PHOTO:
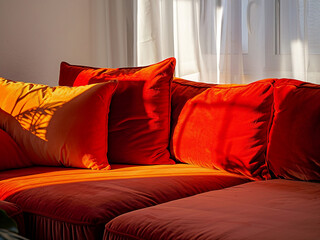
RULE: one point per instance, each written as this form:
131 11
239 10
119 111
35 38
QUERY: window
306 15
233 41
278 34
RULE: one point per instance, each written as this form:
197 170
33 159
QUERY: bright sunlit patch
299 59
36 120
218 37
45 176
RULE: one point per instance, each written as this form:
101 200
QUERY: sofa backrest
291 145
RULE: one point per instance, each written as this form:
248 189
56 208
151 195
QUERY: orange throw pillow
226 127
58 125
139 120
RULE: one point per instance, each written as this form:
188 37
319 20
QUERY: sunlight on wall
218 37
299 59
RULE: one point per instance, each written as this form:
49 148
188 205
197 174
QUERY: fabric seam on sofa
169 114
185 84
120 234
269 129
64 220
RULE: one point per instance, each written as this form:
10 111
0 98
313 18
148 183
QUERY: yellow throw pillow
58 125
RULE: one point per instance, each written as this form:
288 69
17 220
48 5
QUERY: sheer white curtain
202 35
299 44
218 41
114 33
226 41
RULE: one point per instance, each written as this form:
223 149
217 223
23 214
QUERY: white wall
36 35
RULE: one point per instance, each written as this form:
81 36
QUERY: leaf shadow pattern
36 120
25 91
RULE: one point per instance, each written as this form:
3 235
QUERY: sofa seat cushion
14 212
68 203
272 209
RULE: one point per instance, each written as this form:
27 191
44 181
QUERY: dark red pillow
294 145
10 154
139 119
226 127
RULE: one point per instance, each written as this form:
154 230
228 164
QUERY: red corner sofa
132 153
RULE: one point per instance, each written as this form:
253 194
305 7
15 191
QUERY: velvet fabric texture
226 127
68 203
181 92
294 146
139 117
15 212
11 155
273 209
58 126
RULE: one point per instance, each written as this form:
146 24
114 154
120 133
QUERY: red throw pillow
139 120
294 145
10 154
181 92
226 127
59 125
